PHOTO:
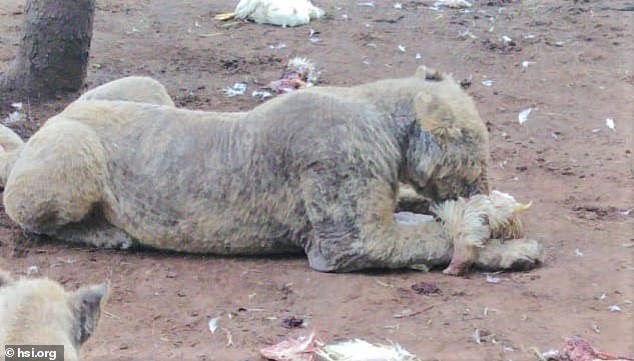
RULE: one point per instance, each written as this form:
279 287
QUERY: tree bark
53 56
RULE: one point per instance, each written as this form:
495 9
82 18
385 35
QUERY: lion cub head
449 152
41 312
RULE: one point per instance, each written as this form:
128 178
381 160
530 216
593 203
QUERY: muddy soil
570 61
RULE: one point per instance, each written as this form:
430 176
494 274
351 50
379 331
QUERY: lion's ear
436 116
87 304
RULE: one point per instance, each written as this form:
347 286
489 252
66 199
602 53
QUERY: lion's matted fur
316 170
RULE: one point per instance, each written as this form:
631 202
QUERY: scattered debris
523 115
261 94
16 116
483 336
488 83
526 63
277 46
614 308
406 313
366 4
578 349
275 12
300 349
292 322
213 324
595 328
476 337
398 6
454 4
384 284
313 36
360 350
308 348
626 212
401 48
603 296
506 40
229 337
32 270
492 279
299 73
418 56
425 288
235 90
486 310
578 253
17 105
609 122
467 34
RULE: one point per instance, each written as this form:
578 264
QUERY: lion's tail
10 146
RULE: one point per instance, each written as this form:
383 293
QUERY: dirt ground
571 61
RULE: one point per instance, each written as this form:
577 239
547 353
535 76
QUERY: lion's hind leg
59 178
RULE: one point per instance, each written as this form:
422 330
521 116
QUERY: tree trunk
53 56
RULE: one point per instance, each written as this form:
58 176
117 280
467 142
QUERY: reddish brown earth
579 173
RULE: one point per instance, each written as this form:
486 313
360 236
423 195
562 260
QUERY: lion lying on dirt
40 312
316 170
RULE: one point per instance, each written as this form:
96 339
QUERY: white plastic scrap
550 354
261 94
418 56
277 46
476 337
360 350
401 48
213 324
454 4
467 34
366 4
17 105
523 115
614 308
398 6
13 117
312 36
488 82
506 39
526 63
609 122
491 279
32 270
235 90
578 253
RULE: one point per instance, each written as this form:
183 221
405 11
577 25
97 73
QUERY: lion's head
448 155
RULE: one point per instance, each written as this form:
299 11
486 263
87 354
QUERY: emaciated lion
316 170
40 312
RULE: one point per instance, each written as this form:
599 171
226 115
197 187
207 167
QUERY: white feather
359 350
